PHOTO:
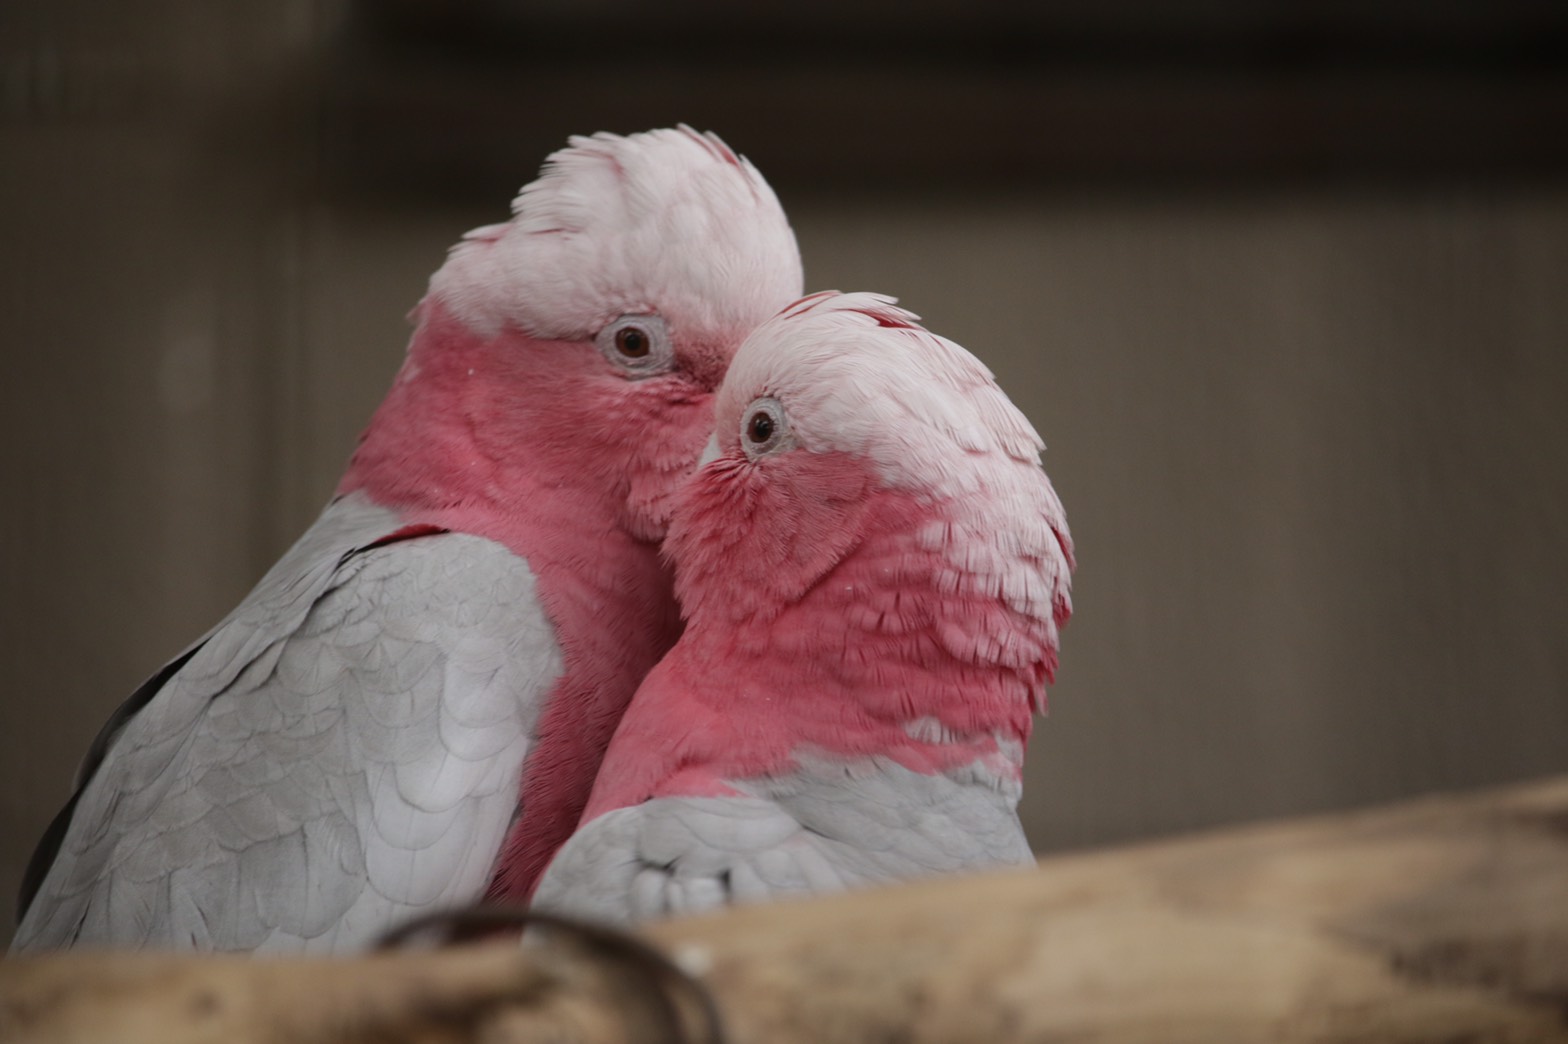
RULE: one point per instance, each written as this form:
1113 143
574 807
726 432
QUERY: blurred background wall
1283 285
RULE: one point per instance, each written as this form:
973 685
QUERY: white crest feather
857 374
669 221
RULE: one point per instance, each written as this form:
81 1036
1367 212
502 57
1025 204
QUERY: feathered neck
471 423
524 442
825 620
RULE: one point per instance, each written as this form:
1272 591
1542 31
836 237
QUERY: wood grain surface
1441 919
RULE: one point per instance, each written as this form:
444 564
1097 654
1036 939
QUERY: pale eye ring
637 345
764 428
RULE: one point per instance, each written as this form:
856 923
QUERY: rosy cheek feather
819 619
753 538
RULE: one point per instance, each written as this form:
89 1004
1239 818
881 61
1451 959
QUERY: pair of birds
652 586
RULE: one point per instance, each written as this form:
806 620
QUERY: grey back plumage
830 826
342 750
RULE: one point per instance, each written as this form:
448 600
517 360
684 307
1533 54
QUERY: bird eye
638 345
764 429
760 429
631 342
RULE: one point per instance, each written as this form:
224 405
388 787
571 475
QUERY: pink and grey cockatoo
409 709
873 569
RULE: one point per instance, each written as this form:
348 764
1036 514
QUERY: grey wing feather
343 750
820 830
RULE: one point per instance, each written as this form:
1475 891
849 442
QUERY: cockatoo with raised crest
873 569
408 710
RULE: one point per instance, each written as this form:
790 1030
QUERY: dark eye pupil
760 429
631 342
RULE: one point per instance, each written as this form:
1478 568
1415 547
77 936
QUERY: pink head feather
503 380
884 573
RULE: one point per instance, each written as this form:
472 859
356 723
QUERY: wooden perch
1444 919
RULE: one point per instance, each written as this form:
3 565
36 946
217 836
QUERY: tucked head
871 564
861 376
866 464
